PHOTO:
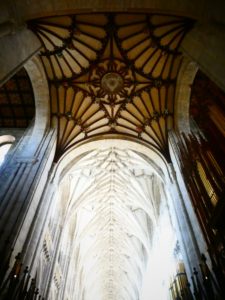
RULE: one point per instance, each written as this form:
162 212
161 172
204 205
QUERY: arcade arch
109 207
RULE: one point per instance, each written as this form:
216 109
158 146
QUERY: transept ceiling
112 75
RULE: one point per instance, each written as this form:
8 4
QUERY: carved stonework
112 83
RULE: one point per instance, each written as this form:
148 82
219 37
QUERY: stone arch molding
183 93
39 83
111 195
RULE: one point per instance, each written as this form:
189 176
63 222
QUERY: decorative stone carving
112 83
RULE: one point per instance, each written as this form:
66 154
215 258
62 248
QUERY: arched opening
185 80
110 223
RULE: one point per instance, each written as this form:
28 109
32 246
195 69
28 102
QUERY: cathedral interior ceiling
112 201
112 75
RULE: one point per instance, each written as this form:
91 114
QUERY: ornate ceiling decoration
17 107
115 202
112 74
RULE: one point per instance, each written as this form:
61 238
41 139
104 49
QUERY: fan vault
112 74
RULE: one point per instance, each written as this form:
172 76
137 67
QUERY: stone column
34 242
191 234
22 180
205 45
185 224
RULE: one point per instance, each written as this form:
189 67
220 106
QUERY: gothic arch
112 196
70 158
36 73
185 79
39 83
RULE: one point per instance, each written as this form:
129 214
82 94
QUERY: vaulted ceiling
112 75
113 199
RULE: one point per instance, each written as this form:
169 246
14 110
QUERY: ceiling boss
111 82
